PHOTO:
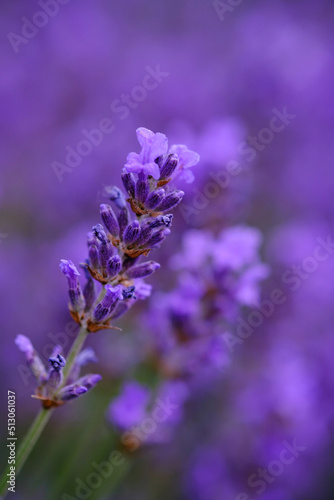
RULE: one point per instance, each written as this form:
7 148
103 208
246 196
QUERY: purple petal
153 145
129 408
187 158
68 268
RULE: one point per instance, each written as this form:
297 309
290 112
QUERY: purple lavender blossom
114 251
72 391
186 160
129 408
153 146
108 303
143 270
75 293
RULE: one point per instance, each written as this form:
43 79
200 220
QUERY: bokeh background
225 69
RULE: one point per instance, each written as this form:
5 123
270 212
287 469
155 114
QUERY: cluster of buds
50 390
132 227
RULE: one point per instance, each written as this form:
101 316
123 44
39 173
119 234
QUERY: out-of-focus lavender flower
137 404
218 276
129 408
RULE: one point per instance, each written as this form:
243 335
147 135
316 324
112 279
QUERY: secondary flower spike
49 390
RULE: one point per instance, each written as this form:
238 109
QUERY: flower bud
109 219
142 270
104 308
100 233
72 391
93 256
129 183
162 220
114 266
74 288
171 201
168 165
157 238
155 198
131 233
116 195
142 188
105 253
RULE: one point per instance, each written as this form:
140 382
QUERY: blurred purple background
220 76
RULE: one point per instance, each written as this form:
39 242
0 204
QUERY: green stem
42 417
26 446
76 348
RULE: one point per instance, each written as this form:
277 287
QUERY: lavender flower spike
75 293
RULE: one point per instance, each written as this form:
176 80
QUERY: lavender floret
109 219
131 233
114 266
171 201
155 198
143 270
